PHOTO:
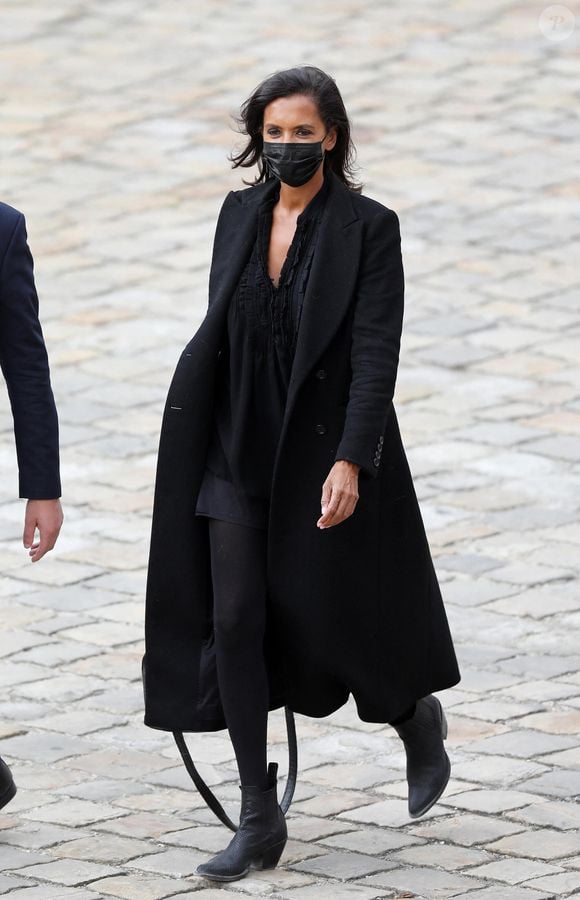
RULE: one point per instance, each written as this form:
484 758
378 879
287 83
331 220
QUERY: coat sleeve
24 363
376 338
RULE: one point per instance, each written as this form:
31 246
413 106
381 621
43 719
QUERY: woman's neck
293 200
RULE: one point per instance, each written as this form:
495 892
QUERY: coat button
320 429
321 374
381 440
376 462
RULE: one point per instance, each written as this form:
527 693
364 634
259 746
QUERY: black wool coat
355 608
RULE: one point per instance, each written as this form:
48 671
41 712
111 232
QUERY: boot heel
271 856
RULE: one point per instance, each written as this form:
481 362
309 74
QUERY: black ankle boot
260 838
428 766
7 786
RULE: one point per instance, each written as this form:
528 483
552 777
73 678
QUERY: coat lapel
330 284
234 240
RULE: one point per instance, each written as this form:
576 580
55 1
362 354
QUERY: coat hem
364 713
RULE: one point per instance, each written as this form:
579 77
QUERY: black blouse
254 372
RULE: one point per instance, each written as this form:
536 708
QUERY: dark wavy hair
322 89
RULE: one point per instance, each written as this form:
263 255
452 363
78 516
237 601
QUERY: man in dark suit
24 363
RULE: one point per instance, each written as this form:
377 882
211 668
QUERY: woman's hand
339 493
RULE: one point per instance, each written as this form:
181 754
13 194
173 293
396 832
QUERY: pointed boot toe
428 766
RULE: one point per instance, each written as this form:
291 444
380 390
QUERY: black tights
238 570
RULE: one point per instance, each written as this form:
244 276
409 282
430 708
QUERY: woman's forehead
296 109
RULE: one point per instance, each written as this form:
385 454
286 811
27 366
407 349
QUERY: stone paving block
514 871
34 835
208 838
553 813
119 763
485 681
78 722
565 883
527 574
343 865
443 856
16 673
505 892
313 828
537 666
353 777
338 892
489 801
391 813
561 447
331 803
61 688
367 839
541 844
104 848
73 812
206 894
500 770
427 883
567 758
102 790
67 872
16 641
466 829
175 862
53 892
154 801
523 742
565 721
497 710
44 746
140 887
464 730
540 690
14 858
144 826
557 783
8 883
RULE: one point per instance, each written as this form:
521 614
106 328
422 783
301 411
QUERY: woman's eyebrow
275 125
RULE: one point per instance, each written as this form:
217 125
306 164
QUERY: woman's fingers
339 494
329 504
341 505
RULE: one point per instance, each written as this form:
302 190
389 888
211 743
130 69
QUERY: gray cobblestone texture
114 134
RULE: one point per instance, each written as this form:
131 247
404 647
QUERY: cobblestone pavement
114 136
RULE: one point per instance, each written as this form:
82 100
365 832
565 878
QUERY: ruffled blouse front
254 372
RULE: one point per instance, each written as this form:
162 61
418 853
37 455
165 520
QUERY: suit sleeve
376 339
24 363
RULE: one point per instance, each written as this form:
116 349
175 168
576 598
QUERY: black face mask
293 163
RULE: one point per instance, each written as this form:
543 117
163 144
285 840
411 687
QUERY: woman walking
289 564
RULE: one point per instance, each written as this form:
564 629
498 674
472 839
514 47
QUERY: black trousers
238 569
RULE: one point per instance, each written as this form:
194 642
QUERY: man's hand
47 517
339 493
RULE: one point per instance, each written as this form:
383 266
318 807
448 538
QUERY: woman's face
296 118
